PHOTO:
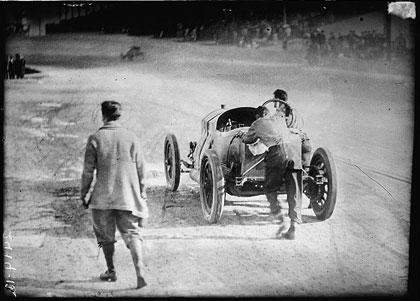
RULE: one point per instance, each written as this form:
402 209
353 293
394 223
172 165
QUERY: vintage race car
131 53
221 163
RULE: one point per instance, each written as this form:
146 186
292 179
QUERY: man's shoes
141 282
109 276
290 234
281 229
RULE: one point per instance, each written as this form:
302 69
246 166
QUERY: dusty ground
365 118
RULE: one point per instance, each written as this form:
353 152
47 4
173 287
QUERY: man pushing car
273 132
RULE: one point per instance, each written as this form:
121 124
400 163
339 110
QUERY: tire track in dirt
396 241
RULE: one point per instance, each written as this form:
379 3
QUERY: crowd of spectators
251 34
265 32
15 67
367 45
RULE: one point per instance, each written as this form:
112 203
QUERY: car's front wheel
212 187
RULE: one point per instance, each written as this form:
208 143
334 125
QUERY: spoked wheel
172 163
321 187
212 187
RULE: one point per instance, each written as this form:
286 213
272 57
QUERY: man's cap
111 109
280 94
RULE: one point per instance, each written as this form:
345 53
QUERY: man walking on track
119 195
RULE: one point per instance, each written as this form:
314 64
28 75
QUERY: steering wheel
276 104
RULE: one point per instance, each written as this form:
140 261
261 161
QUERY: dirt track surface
365 119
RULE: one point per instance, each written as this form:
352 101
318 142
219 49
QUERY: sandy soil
365 118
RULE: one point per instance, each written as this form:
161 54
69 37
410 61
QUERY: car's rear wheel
322 188
172 163
212 187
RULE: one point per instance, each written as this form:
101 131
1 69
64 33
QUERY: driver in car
294 122
272 131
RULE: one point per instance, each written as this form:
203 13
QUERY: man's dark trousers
276 168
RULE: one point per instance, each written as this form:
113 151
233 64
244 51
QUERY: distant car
131 53
221 163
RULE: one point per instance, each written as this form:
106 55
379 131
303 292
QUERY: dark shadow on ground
57 288
183 208
68 209
36 282
29 70
166 210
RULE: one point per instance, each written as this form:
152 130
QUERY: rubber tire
213 213
324 155
173 179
